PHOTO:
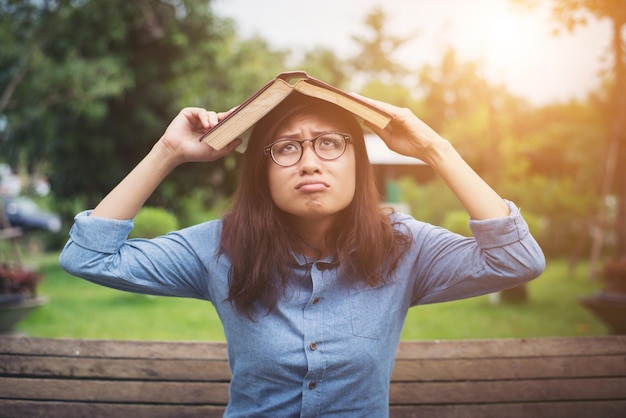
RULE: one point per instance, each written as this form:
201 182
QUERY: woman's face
312 189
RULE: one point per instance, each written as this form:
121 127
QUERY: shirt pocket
373 311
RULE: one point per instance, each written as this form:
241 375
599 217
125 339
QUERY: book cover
239 123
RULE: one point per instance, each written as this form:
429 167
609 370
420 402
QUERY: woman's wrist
164 157
440 153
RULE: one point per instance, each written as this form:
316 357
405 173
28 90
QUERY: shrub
457 221
151 222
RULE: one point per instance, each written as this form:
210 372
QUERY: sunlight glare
503 33
506 39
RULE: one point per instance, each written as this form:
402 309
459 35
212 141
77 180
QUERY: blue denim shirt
328 348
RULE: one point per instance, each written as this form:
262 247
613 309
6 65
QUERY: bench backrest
543 377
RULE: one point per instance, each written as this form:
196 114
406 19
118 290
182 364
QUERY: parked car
24 213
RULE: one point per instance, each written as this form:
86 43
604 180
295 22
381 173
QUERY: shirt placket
312 385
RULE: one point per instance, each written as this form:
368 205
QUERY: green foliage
324 64
556 164
536 224
457 221
152 222
547 160
570 14
103 80
378 47
395 93
429 202
88 87
194 209
573 13
452 91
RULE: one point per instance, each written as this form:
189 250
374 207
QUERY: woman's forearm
478 198
408 135
179 144
127 198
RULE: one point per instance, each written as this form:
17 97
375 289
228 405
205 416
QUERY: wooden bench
544 377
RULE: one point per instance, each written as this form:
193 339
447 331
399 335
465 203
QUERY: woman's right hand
180 142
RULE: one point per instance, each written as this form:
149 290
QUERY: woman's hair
257 236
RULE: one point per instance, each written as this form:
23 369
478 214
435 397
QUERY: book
239 123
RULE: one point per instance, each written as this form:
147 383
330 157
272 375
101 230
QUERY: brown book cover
239 122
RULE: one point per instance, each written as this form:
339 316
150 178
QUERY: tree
571 14
375 58
100 81
324 64
36 76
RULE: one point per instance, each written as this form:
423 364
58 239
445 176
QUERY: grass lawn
79 309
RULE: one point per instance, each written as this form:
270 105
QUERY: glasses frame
268 149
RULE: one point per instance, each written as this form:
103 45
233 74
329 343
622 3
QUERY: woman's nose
309 162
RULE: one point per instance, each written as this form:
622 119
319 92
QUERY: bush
457 221
151 222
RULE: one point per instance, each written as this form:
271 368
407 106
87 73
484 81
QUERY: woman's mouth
312 186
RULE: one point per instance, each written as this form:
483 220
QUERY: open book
242 119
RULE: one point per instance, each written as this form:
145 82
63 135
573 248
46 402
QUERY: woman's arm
179 144
408 135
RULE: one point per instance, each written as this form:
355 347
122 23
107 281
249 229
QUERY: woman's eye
329 143
287 147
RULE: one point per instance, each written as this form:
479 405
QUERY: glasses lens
330 146
286 152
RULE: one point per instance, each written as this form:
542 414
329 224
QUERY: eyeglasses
327 146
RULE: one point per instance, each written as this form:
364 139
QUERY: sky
514 47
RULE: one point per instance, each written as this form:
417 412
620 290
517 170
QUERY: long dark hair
257 236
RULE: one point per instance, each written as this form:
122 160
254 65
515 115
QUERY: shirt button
313 346
312 385
316 300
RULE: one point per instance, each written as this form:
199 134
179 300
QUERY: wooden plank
523 347
595 409
509 368
400 393
125 369
489 348
116 391
9 233
547 390
102 410
591 409
552 377
114 348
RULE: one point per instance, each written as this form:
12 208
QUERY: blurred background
530 92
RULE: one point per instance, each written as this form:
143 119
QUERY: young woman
311 278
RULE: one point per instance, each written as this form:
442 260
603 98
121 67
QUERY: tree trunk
614 180
620 137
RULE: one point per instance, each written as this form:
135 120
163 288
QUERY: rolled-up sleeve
499 232
99 250
99 234
446 266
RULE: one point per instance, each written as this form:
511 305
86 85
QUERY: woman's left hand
406 134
